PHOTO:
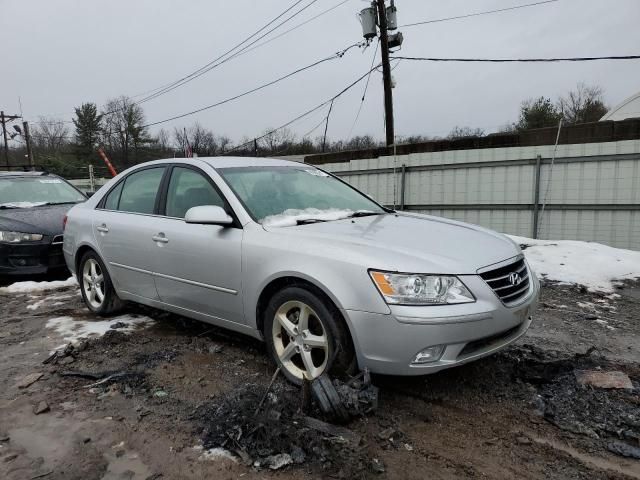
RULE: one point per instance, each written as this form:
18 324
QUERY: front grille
501 280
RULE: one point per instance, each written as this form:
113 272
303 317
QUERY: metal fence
591 192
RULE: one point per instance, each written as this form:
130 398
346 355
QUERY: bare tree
464 132
275 141
49 134
582 105
124 129
225 143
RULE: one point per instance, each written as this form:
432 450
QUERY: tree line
119 128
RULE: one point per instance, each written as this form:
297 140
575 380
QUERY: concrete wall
592 192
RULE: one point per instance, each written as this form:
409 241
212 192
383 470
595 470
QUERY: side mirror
208 215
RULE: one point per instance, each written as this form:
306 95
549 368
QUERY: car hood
46 220
405 242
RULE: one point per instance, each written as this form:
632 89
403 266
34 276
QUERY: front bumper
33 258
388 343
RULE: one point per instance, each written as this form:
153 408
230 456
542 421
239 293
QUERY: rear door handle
160 238
102 228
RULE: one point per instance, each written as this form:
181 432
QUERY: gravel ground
175 400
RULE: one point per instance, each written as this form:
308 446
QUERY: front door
124 225
198 266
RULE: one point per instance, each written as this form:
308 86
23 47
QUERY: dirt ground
163 398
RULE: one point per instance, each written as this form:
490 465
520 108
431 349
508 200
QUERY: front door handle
102 228
160 238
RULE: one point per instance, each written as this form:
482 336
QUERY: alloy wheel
300 340
93 283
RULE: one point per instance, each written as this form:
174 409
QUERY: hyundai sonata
287 253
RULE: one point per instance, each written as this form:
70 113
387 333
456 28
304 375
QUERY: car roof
228 162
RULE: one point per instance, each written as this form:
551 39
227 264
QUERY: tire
325 342
95 284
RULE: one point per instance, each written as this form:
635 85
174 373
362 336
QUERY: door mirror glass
208 215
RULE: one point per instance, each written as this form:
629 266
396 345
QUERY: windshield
283 196
26 192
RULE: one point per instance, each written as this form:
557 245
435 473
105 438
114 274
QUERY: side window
113 198
188 188
140 190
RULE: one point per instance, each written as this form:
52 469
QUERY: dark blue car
32 210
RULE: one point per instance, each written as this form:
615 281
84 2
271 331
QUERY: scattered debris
160 393
118 325
29 380
377 466
600 379
42 407
216 348
341 401
624 450
334 431
276 462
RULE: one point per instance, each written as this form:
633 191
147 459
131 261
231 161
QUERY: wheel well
278 284
79 254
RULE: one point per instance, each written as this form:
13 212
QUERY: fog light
431 354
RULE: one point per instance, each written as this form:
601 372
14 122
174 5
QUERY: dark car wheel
96 287
306 336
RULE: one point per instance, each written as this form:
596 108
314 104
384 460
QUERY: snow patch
30 286
22 204
72 330
594 265
217 454
290 217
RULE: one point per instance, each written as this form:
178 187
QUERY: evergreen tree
88 123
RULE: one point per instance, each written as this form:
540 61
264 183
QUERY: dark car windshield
25 192
283 196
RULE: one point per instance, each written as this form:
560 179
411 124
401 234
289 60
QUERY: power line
477 14
294 28
305 114
339 54
525 60
221 60
364 94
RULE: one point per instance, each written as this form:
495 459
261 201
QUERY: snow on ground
594 265
72 330
28 287
289 218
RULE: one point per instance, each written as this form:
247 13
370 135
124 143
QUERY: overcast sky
58 54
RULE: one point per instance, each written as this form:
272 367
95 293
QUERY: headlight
17 237
418 289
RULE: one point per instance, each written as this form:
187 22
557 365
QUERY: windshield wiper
307 221
56 203
364 214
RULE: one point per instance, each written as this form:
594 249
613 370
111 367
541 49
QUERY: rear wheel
96 287
306 336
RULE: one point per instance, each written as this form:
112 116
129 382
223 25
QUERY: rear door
124 226
198 268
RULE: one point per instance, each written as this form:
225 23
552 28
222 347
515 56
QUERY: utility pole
380 17
4 119
27 139
386 72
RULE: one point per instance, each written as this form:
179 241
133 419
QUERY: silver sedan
290 254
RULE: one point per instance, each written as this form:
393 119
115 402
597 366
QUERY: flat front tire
95 284
306 336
